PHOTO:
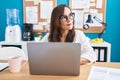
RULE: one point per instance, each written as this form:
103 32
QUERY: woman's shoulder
78 32
79 36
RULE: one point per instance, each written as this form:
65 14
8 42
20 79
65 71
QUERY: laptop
54 58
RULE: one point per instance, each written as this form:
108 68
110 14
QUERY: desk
24 73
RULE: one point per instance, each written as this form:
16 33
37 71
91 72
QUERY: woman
62 30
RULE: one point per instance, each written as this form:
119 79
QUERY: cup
15 63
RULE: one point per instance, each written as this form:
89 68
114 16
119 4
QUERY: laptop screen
54 58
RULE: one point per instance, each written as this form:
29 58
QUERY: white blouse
86 49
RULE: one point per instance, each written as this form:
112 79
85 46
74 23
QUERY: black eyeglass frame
70 16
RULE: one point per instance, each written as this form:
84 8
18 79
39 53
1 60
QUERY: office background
111 34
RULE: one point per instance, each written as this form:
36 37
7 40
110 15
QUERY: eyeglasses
64 18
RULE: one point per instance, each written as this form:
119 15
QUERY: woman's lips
69 24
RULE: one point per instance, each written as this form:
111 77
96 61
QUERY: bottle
13 31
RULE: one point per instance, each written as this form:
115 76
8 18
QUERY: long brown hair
55 26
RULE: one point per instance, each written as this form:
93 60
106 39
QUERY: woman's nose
68 19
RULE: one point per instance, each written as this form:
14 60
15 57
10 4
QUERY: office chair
6 52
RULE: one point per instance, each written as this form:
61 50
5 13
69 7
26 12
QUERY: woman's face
67 19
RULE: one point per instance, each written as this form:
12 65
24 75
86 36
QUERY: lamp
101 22
89 20
99 39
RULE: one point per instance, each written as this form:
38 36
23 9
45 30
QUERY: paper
92 1
92 4
36 2
93 10
3 66
99 3
102 55
96 51
80 4
32 14
104 73
78 18
86 10
46 9
29 0
37 27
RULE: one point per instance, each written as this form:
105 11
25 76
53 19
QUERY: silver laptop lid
54 58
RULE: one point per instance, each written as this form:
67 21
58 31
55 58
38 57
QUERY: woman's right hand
84 61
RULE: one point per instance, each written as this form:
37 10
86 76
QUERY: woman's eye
72 14
64 17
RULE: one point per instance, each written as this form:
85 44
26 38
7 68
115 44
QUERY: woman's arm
87 53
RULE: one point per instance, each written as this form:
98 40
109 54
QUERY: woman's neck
64 35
